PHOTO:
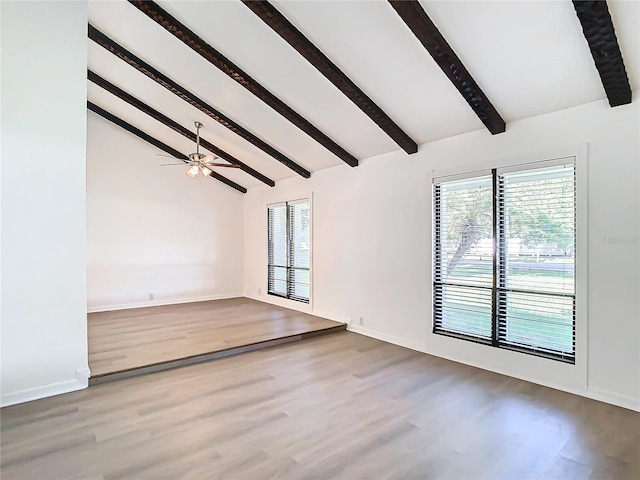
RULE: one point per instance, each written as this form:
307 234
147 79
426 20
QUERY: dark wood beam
152 112
178 90
603 43
157 143
428 34
294 37
198 45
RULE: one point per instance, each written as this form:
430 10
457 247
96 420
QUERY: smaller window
289 250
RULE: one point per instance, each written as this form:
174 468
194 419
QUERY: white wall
44 329
371 226
154 229
372 247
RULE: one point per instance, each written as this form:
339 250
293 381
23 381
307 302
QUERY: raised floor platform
126 343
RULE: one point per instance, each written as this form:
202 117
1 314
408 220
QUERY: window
289 250
504 258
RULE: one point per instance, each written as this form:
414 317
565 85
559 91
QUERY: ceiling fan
199 163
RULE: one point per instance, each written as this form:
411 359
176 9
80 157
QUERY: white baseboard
387 338
160 302
30 394
282 302
332 316
82 375
614 398
256 297
592 393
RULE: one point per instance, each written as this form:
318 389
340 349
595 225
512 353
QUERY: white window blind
289 250
504 259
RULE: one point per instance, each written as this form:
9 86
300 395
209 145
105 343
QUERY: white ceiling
529 57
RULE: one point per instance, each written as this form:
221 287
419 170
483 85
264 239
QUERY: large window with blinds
289 250
504 258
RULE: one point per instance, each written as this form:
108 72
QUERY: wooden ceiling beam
601 36
143 67
152 112
213 56
428 34
157 143
301 44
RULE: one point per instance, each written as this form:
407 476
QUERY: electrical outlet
361 321
151 295
259 291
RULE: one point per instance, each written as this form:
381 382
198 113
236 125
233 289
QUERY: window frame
289 268
447 344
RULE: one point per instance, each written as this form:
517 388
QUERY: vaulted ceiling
510 59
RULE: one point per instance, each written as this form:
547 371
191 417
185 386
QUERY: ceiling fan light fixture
193 171
199 163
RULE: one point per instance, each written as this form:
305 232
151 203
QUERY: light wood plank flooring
335 406
128 339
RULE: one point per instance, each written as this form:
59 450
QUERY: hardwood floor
336 406
124 340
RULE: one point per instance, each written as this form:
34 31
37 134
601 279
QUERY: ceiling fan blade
228 165
163 155
174 164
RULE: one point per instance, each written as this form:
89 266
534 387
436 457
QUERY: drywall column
44 321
